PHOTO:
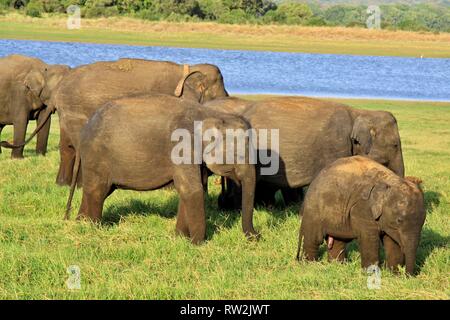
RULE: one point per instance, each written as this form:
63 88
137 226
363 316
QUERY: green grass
136 254
240 37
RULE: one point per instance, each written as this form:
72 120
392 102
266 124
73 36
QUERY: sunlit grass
136 254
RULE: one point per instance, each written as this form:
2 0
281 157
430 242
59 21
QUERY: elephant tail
6 144
76 170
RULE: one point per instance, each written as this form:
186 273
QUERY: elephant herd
117 119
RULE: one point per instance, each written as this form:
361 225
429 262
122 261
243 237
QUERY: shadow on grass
215 219
432 199
429 241
166 209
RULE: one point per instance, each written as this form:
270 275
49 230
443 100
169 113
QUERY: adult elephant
312 134
144 156
26 86
89 87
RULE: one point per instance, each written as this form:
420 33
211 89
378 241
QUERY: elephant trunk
397 165
46 117
410 244
248 198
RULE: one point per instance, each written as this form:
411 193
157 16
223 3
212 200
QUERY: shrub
52 5
274 16
34 9
148 14
295 13
236 16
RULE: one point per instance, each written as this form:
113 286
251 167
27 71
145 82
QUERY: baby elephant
135 143
357 198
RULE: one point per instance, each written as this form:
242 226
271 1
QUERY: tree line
418 17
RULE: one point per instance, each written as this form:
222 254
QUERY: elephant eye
399 220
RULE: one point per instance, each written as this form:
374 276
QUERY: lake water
322 75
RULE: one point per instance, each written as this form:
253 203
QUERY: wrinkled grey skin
357 198
89 87
26 85
138 157
314 133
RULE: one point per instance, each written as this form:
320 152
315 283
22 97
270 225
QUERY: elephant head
40 83
375 135
398 207
233 163
202 83
53 74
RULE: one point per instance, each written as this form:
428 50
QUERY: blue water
322 75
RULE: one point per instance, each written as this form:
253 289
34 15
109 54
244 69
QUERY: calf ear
376 194
361 136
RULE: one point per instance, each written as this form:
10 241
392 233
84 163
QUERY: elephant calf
358 198
129 144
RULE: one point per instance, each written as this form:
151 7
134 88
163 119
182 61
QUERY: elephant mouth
330 242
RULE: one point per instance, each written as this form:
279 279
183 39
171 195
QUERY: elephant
358 198
139 156
26 86
90 86
312 134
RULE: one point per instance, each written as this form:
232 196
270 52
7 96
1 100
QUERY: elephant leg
394 254
312 238
42 136
182 227
188 183
67 160
1 128
337 251
20 131
369 246
96 189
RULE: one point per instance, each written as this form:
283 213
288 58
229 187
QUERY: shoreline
343 98
208 35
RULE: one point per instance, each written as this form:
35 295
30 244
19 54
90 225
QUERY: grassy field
136 254
122 30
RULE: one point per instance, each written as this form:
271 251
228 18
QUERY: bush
235 16
148 14
212 9
295 13
100 8
52 5
34 9
274 16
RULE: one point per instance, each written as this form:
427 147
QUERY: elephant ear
376 194
34 81
362 135
193 78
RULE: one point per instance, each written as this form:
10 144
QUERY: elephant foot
41 153
62 182
253 235
17 157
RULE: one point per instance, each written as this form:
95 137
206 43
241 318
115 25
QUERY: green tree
295 13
